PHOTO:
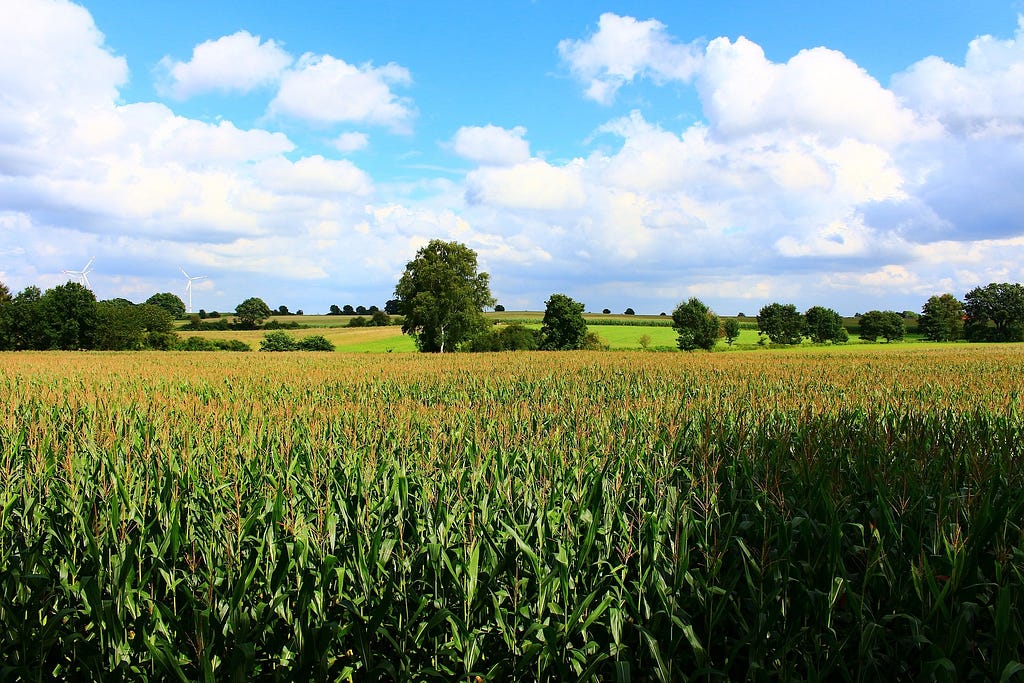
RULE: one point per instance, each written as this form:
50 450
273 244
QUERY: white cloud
351 142
623 49
239 62
534 184
492 145
818 92
314 176
324 89
986 94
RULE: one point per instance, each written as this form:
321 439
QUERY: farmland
849 514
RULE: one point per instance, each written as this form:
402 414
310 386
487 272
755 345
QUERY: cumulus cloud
351 142
533 184
323 89
623 49
240 62
492 145
986 94
818 92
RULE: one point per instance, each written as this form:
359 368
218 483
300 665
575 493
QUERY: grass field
835 514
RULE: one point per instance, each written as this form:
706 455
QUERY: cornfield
584 516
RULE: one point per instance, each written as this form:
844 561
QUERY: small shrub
278 341
316 342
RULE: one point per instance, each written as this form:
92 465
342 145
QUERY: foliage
697 325
731 327
170 302
498 308
885 324
358 321
629 311
995 313
380 319
511 337
335 310
443 296
393 307
524 517
825 325
278 341
315 342
781 323
942 318
252 312
123 326
564 327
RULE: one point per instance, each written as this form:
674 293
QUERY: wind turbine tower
83 275
188 287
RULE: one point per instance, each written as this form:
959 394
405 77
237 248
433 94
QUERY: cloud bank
806 180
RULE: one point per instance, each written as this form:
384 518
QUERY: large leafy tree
69 317
170 302
825 325
442 296
886 324
564 327
696 325
781 323
995 312
252 312
942 318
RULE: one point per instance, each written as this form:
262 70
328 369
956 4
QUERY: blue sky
626 153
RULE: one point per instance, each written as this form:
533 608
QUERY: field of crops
850 515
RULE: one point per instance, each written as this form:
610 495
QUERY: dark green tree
335 310
781 323
443 296
24 323
69 317
499 308
380 319
731 327
315 342
825 325
5 311
942 318
348 310
392 306
170 303
252 312
697 326
564 327
995 312
278 341
629 311
885 324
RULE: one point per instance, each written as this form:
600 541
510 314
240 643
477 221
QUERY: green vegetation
842 514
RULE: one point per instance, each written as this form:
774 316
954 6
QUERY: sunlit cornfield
579 516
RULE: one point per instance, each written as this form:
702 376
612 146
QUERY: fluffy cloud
623 49
818 92
324 89
492 145
351 142
533 185
236 63
985 94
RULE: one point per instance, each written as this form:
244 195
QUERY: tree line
442 295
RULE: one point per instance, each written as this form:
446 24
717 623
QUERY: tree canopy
825 325
942 318
252 312
170 302
696 324
442 296
886 324
995 312
781 323
564 327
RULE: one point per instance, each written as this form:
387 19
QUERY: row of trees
442 296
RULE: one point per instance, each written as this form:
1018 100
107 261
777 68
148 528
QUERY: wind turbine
188 287
83 274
